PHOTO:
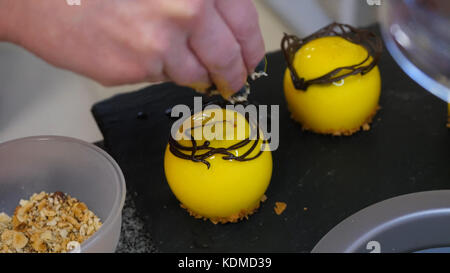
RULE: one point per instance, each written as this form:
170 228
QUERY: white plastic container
82 170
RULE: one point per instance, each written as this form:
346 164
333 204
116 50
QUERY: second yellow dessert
338 108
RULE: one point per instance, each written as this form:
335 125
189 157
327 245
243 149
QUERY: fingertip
231 80
238 84
254 55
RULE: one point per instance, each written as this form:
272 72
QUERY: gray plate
418 222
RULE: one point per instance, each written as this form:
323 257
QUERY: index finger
241 17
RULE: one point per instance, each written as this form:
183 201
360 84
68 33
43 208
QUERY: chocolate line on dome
290 44
177 149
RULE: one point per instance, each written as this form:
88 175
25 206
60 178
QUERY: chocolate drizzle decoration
290 45
200 153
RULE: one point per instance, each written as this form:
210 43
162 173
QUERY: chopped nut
46 235
4 218
366 127
280 207
39 197
15 222
90 230
49 213
20 227
39 246
72 221
27 206
63 233
7 237
42 205
73 246
83 230
264 198
79 210
23 202
81 206
59 195
19 240
47 223
52 222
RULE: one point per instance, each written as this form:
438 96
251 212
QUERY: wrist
7 18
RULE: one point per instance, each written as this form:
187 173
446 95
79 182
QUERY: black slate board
323 179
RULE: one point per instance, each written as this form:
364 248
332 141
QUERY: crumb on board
280 207
366 127
264 198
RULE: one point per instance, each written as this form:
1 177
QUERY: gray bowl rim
119 199
350 234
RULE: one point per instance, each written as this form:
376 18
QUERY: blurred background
38 99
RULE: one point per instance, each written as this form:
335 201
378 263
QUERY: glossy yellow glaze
336 108
229 190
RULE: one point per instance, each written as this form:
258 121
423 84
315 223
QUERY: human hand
195 43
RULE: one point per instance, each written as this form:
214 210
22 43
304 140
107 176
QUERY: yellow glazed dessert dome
339 107
222 179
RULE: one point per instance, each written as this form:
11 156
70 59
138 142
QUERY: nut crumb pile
47 223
